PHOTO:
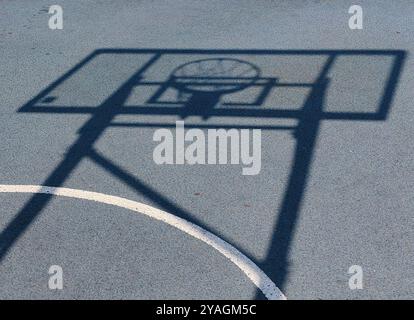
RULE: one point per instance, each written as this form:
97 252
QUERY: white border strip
252 271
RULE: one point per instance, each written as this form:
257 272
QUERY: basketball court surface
79 187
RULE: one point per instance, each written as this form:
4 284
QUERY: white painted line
250 269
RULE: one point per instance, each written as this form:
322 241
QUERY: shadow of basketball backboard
280 83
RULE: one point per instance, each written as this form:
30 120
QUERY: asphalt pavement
79 108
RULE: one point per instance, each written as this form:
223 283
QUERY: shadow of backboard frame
164 108
309 116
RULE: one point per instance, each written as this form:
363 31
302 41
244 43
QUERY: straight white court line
250 269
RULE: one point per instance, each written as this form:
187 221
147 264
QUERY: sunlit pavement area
80 106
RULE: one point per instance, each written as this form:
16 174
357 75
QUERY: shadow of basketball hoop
201 83
200 86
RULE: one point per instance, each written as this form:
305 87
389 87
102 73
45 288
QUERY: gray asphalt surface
357 205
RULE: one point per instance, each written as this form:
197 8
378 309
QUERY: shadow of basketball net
204 82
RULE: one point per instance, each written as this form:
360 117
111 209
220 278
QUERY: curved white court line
250 269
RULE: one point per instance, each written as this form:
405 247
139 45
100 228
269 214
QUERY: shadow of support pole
276 265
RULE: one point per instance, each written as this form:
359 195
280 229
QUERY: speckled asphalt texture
337 173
